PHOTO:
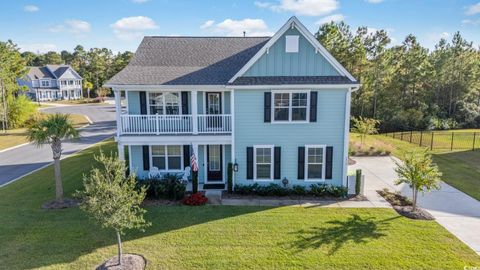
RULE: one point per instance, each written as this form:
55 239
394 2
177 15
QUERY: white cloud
207 24
139 1
38 47
473 9
302 7
470 22
331 18
30 8
229 27
76 27
129 28
374 1
436 36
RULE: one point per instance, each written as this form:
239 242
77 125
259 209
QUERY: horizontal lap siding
251 130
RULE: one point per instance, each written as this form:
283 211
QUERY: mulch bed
226 195
66 203
159 202
403 206
129 262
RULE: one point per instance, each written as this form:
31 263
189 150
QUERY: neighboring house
276 107
52 82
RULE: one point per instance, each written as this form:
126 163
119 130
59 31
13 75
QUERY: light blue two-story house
276 107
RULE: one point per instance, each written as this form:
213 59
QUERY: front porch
174 158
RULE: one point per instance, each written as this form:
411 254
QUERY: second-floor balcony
175 124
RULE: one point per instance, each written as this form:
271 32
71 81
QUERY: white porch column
121 151
232 113
194 113
118 110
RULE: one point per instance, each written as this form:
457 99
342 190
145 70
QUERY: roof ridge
259 37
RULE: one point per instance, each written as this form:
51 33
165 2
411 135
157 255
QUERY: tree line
407 86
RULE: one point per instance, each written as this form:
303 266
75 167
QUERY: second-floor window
45 83
164 103
290 106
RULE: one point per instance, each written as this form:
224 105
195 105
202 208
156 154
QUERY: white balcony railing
174 124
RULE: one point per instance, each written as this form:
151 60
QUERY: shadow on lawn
355 229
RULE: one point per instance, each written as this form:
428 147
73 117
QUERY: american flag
193 161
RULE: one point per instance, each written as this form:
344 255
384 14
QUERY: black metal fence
441 140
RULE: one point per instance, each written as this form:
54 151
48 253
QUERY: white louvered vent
291 44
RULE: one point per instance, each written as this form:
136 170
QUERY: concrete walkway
453 209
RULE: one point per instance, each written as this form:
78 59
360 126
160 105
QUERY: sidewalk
453 209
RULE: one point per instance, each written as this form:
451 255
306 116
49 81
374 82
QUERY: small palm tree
418 172
52 130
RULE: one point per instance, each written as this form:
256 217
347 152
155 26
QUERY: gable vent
291 44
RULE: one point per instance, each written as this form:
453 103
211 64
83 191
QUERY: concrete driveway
453 209
17 162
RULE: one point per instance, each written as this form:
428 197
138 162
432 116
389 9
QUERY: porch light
235 167
285 182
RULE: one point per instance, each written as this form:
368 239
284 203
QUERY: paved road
17 162
453 209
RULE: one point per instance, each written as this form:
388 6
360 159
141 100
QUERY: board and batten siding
251 130
304 63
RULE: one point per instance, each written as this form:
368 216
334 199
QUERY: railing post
401 136
411 134
118 110
157 125
194 112
474 138
431 142
421 138
451 144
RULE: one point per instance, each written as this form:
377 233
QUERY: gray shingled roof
278 80
35 73
58 70
188 60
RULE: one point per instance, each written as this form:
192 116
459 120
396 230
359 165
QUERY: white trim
293 22
290 107
346 133
255 163
130 166
127 106
232 147
324 147
174 139
164 103
167 169
157 87
294 86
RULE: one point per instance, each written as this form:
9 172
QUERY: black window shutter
301 162
184 102
313 106
146 157
249 162
186 155
329 163
277 162
143 102
267 108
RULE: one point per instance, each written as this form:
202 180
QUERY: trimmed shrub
318 190
168 187
299 190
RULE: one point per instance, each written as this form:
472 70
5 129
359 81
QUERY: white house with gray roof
276 108
52 82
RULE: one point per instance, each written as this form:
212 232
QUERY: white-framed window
315 162
164 103
166 157
45 83
290 106
263 162
291 44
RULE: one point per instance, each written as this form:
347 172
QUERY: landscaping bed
403 206
216 236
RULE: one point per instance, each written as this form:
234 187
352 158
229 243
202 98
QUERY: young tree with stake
111 198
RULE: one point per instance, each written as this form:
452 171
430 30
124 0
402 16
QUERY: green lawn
213 237
460 168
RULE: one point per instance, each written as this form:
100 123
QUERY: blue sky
42 25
